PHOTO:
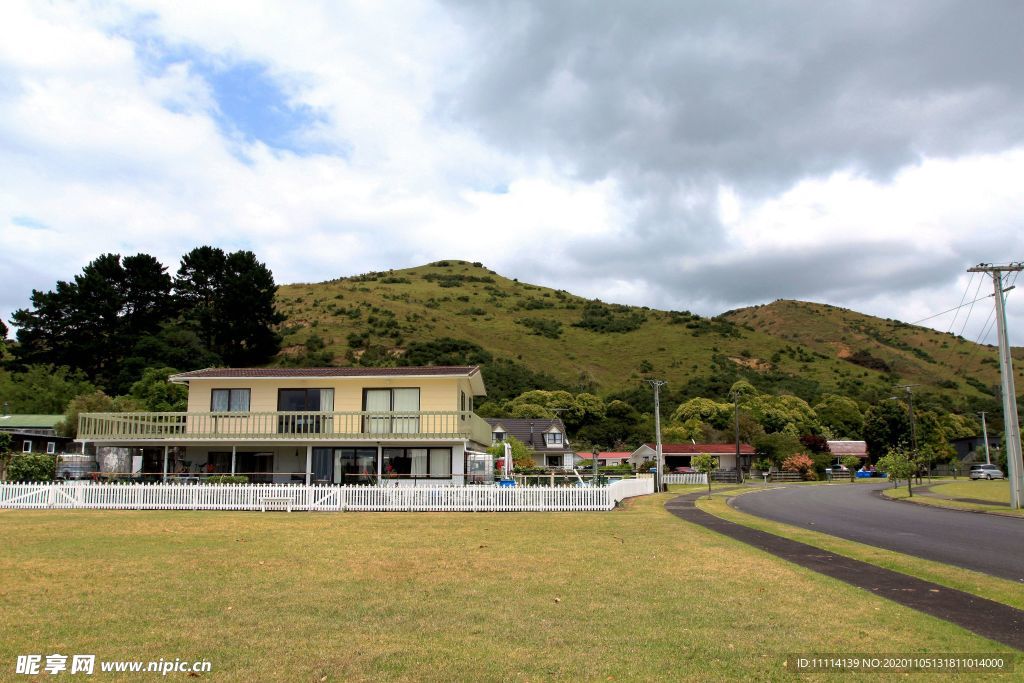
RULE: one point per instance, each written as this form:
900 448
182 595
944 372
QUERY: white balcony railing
282 426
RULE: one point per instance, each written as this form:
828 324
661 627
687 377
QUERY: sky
687 155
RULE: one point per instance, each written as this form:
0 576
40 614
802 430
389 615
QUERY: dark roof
695 449
531 430
247 373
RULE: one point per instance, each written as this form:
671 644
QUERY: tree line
778 426
121 316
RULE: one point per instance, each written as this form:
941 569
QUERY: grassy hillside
793 347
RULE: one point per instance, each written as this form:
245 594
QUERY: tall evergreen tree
92 322
230 299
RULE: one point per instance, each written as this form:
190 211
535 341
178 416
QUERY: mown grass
997 491
977 583
922 498
631 595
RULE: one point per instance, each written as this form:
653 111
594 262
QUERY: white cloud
111 139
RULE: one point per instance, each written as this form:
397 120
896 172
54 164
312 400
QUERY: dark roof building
546 438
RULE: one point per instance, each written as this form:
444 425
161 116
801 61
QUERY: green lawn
635 594
951 495
997 491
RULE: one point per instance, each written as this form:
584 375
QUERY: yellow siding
441 393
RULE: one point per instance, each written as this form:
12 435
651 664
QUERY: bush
34 467
227 479
802 464
552 329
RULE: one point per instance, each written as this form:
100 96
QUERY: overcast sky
686 155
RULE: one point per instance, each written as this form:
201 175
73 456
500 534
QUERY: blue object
506 483
863 475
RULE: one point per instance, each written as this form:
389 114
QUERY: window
462 404
51 447
344 465
554 461
26 446
417 463
553 439
498 437
304 401
404 402
229 401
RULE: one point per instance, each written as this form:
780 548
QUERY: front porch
367 463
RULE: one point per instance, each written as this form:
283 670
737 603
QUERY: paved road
986 543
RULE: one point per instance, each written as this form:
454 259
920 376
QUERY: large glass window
417 463
229 400
403 404
553 438
304 401
344 465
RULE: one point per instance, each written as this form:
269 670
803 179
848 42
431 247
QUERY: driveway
985 543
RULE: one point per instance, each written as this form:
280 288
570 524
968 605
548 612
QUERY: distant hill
579 344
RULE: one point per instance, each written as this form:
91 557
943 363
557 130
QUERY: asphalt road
985 543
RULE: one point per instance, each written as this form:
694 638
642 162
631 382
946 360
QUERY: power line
964 327
966 289
969 303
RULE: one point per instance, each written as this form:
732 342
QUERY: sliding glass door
304 401
344 465
390 411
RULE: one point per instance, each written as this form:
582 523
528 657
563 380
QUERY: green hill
807 349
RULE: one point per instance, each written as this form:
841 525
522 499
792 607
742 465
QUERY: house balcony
280 426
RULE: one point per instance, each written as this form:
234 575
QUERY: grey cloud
674 99
754 94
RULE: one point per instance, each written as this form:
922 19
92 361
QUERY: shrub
227 479
599 317
552 329
800 463
33 467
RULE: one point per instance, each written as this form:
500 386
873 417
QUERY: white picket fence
165 496
687 478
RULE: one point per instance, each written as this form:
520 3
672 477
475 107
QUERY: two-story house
545 438
407 426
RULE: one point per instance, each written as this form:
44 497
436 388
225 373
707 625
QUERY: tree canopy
121 315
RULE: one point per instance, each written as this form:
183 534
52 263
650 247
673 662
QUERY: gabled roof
608 455
531 431
470 371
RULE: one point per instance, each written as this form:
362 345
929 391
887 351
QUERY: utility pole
913 425
739 470
984 435
659 474
1012 424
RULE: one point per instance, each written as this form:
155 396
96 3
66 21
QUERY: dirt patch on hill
752 363
842 350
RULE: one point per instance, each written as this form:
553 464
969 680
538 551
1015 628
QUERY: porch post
380 459
309 464
233 449
166 448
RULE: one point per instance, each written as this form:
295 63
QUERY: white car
986 472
